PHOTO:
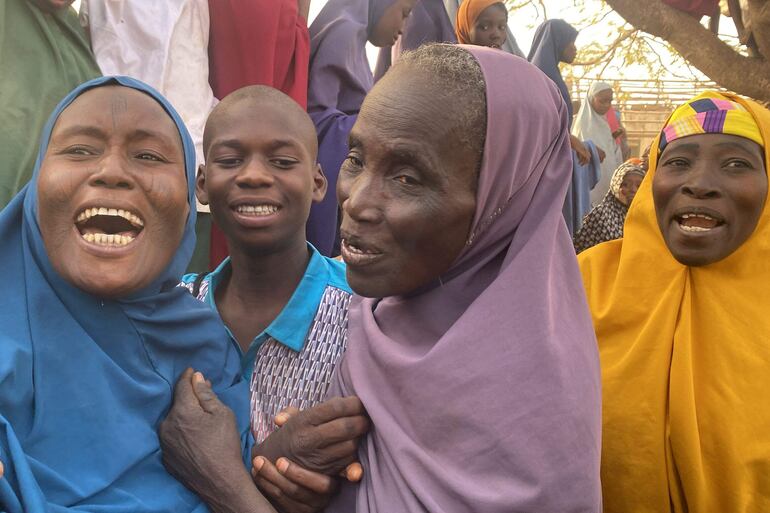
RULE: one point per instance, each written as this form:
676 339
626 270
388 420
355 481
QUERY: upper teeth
356 249
102 211
107 239
257 209
702 216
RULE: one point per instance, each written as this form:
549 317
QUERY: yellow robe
685 355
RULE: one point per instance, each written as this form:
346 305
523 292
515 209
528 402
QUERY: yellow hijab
685 355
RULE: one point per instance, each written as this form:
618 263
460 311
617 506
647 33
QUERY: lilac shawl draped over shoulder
339 79
484 391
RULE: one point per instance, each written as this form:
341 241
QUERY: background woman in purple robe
428 23
340 77
472 348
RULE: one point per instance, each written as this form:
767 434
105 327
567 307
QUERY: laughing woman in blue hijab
93 332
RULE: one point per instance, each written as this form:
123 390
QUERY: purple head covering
551 38
340 75
484 391
428 23
339 79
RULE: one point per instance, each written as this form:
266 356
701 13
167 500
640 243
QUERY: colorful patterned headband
710 113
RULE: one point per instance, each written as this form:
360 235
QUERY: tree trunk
749 76
760 25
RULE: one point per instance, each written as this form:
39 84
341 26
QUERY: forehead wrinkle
416 116
118 107
691 144
92 107
410 99
87 130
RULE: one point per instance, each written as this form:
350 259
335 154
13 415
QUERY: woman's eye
738 164
406 180
354 161
79 150
676 162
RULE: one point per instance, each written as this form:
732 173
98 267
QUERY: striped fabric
710 113
283 377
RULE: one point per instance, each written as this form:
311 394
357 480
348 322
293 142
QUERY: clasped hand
296 467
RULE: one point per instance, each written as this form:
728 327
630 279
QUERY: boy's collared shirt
292 361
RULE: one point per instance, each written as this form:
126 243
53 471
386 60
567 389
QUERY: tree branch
610 50
717 60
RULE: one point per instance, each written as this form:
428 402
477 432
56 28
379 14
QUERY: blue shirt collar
292 325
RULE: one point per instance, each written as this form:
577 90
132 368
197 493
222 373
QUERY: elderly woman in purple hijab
339 79
470 342
472 348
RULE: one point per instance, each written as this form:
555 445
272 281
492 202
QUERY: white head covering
590 126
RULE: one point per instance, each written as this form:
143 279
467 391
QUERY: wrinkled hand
323 438
291 488
200 442
601 153
583 155
353 472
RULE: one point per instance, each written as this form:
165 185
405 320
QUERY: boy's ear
200 185
319 184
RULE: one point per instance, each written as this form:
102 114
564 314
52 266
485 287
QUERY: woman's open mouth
110 227
356 253
698 221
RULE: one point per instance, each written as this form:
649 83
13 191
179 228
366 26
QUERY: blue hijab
551 38
84 381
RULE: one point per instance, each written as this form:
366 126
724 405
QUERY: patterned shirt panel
291 363
203 290
283 377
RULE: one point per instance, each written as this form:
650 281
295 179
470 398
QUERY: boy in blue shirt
283 303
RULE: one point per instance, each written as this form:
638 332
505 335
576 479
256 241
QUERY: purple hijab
551 38
339 79
428 23
484 392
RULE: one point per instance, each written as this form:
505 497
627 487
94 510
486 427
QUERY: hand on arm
322 439
583 155
202 449
353 472
292 488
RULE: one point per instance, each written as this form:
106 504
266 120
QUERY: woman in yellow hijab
681 307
